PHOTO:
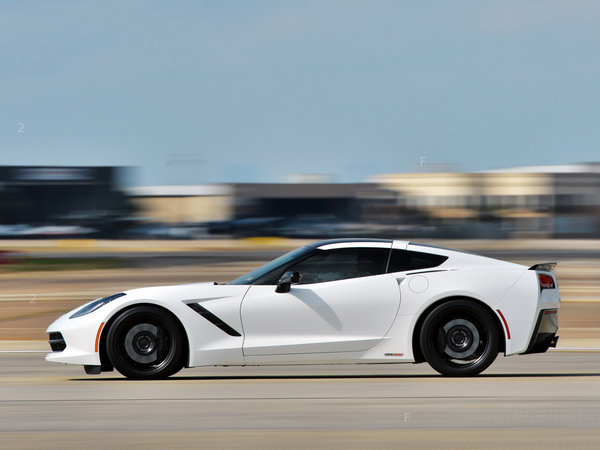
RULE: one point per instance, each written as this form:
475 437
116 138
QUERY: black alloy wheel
145 342
459 338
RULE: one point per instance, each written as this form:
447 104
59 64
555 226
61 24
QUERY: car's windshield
283 260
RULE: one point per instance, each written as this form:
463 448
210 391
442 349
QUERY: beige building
183 204
542 200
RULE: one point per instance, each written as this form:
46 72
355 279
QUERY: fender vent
216 321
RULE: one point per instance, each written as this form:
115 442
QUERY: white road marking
25 351
575 349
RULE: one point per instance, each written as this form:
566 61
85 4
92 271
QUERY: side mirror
285 282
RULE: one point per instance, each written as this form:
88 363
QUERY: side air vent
216 321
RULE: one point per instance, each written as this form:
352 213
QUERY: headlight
93 306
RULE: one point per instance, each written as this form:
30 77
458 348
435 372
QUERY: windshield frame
258 275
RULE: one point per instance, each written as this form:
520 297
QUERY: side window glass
403 260
340 264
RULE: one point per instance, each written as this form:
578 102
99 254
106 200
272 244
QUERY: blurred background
151 143
555 201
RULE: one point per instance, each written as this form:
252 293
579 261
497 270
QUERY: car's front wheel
459 338
145 342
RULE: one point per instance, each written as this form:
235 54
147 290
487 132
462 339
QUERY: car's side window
403 260
340 264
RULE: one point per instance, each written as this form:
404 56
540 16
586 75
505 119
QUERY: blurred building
313 209
36 194
347 202
183 204
540 201
524 201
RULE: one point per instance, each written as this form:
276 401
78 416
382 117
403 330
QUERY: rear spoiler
547 266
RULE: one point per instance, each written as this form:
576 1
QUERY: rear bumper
544 334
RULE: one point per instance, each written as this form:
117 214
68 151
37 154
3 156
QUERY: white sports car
336 301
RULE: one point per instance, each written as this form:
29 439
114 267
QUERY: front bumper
544 334
73 341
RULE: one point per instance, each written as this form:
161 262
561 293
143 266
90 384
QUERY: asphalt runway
545 401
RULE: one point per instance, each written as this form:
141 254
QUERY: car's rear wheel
145 342
459 338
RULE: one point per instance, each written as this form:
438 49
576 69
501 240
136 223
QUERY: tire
459 338
145 342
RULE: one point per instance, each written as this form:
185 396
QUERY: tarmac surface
550 400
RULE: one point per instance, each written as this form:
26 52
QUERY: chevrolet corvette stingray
344 301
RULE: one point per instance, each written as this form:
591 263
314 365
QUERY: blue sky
255 91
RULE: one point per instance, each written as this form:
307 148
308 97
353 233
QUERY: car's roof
398 244
370 242
349 241
345 240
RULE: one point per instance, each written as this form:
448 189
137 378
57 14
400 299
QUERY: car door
345 302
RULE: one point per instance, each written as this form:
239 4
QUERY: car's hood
183 292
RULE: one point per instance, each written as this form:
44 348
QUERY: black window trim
320 250
316 249
433 268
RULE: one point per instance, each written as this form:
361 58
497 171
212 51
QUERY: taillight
546 281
